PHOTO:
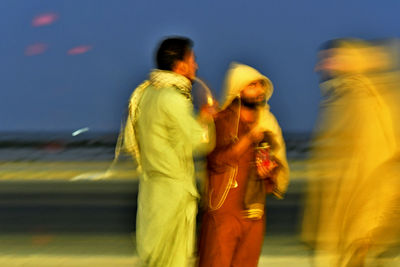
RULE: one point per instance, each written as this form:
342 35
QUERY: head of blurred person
176 54
350 56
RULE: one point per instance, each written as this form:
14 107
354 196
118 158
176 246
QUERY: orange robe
227 237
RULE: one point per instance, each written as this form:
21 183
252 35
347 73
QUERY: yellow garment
355 135
385 236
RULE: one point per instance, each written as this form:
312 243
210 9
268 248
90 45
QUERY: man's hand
256 134
207 112
265 171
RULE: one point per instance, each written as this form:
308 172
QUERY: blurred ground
117 250
50 218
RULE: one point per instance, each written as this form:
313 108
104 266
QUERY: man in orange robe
233 225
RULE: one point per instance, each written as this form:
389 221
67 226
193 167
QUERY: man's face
252 98
190 66
254 92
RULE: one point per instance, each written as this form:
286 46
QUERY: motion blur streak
353 204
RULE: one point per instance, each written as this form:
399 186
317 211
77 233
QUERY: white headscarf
127 140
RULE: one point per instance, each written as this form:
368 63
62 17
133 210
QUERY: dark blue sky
46 86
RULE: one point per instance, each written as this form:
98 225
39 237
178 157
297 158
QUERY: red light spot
79 49
54 147
44 19
35 49
43 239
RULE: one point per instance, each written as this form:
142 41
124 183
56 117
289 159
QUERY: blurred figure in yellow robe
348 201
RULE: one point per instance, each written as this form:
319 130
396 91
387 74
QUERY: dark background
77 67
